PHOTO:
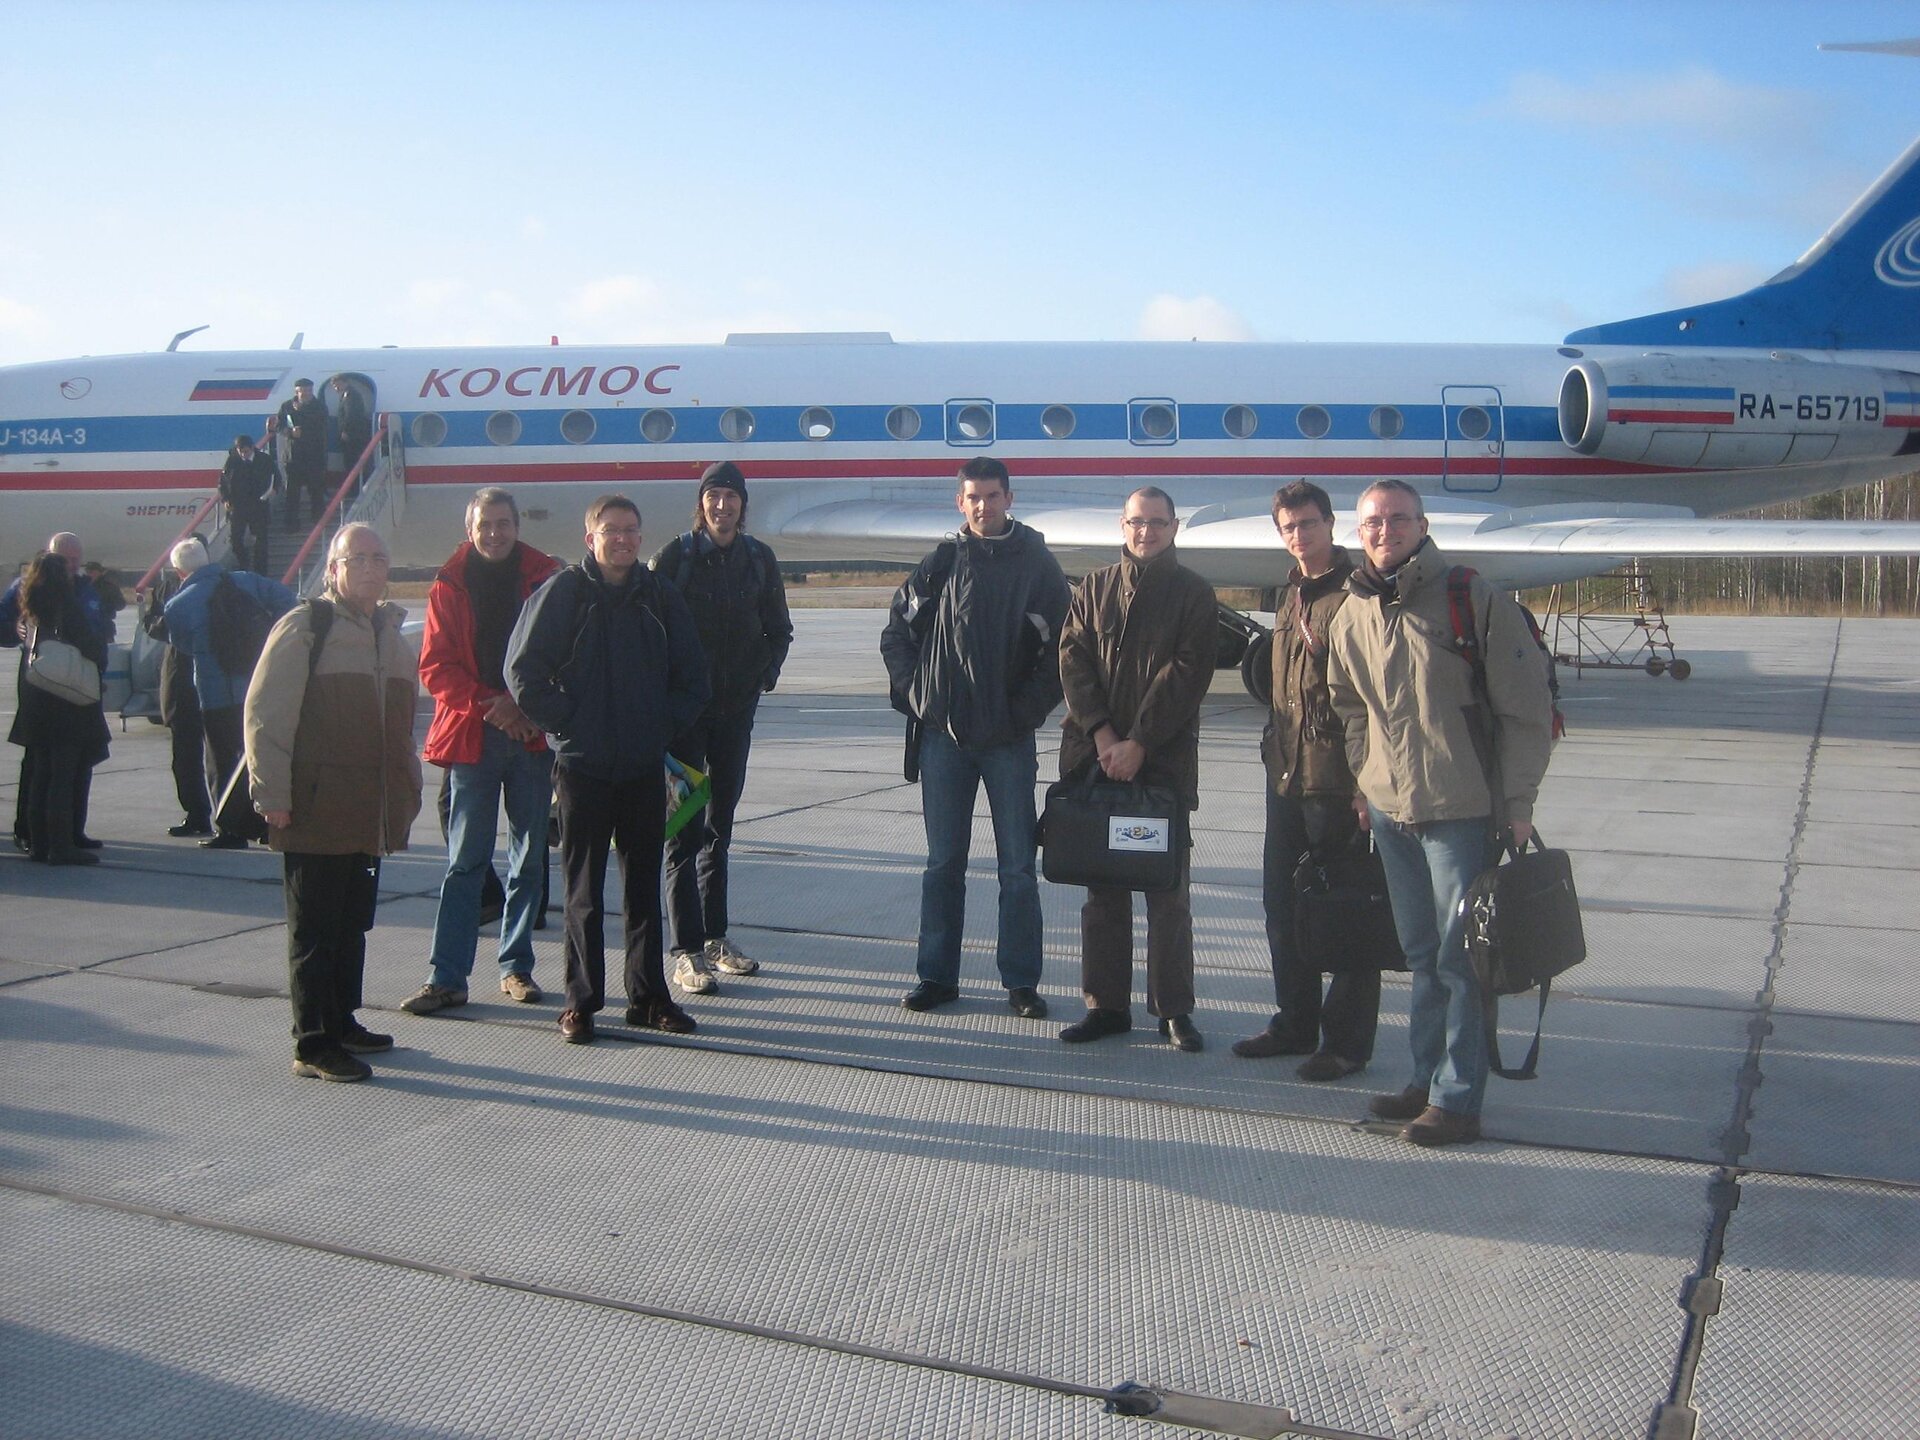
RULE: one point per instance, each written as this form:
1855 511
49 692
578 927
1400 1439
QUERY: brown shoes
1409 1104
576 1028
1442 1127
660 1013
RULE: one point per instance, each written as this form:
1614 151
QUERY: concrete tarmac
823 1215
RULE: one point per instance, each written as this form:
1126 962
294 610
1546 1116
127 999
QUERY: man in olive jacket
331 764
1309 800
1136 658
1420 733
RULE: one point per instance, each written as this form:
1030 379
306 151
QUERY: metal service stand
1612 622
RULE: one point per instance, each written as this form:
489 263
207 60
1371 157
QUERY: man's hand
1122 760
503 714
1522 832
1360 813
278 819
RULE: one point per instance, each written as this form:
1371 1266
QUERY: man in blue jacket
202 622
606 660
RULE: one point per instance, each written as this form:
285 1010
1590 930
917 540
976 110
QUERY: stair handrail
336 503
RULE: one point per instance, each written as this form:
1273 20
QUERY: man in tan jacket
331 763
1425 741
1136 657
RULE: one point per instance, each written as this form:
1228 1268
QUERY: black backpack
237 626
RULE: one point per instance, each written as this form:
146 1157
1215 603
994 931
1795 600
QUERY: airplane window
503 427
1386 422
1240 421
1313 421
1157 422
657 426
816 423
429 429
737 424
1474 423
974 422
1058 421
577 427
903 422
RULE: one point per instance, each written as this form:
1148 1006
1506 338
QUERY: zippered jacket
1305 747
449 667
739 607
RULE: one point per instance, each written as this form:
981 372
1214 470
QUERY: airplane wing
1236 544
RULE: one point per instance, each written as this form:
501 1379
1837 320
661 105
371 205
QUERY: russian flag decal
234 389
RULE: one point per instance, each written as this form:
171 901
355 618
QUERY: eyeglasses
625 532
1374 524
360 562
1137 525
1311 522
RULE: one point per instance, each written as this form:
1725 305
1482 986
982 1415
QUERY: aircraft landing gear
1612 622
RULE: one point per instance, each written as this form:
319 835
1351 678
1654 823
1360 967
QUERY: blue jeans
949 779
1428 869
505 767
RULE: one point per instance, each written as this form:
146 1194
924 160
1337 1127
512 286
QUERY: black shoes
1325 1065
1097 1025
332 1065
1025 1001
660 1014
927 995
1179 1032
1272 1041
189 828
358 1040
87 842
225 842
75 856
1409 1104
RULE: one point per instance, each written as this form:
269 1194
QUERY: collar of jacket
1010 538
1369 579
1311 588
631 585
524 559
1137 572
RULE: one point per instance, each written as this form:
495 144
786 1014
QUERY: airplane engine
1699 412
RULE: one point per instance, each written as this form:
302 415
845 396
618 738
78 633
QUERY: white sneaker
723 954
690 972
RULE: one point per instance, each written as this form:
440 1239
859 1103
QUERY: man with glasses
606 660
331 762
1309 800
490 750
1423 739
1136 658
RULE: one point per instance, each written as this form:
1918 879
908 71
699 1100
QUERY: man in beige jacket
332 766
1427 744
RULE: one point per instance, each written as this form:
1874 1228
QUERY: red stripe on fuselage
1671 417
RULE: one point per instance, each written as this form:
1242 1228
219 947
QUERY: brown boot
1442 1127
1407 1105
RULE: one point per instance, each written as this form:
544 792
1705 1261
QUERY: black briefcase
1342 917
1097 831
1522 921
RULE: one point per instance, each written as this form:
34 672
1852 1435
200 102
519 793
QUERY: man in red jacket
489 748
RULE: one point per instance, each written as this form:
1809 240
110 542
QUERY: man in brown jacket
1136 658
331 763
1309 800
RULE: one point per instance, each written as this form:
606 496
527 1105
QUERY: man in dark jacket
1136 658
605 659
490 749
1309 800
353 424
246 481
969 645
180 711
302 425
197 623
731 583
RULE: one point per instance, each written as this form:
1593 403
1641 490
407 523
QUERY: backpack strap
1466 634
319 623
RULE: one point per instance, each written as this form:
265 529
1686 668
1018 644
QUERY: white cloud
532 227
1199 317
1716 280
616 297
21 322
1686 106
435 293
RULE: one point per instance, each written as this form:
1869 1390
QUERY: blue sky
440 173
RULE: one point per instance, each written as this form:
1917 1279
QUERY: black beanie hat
724 475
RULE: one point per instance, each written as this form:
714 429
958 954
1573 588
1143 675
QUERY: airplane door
1473 442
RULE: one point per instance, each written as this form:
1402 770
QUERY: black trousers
1344 1020
631 817
306 474
248 520
180 703
227 742
55 809
330 904
697 855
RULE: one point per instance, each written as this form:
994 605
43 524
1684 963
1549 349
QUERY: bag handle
1490 1007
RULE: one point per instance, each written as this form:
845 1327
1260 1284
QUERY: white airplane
1539 463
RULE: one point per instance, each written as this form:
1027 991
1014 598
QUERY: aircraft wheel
1656 667
1681 669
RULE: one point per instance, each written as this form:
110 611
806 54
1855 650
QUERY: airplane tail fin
1858 288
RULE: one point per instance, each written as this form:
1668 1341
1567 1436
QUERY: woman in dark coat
63 740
